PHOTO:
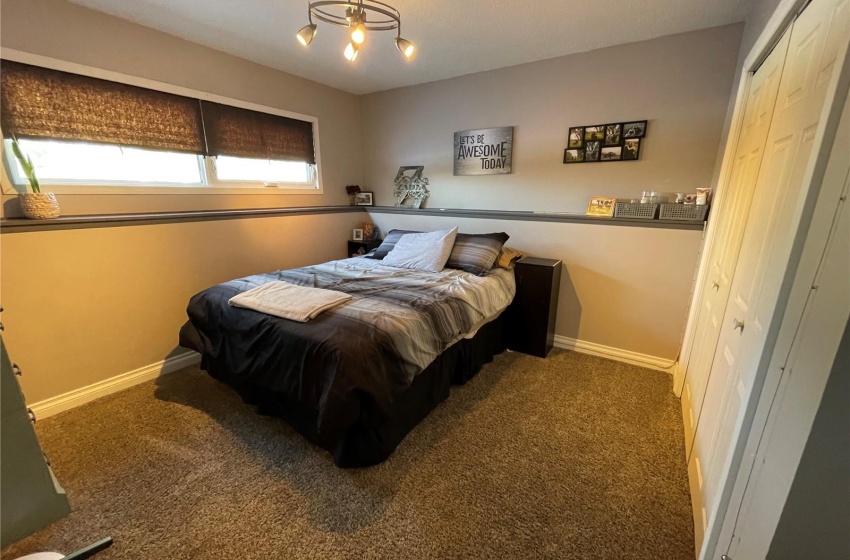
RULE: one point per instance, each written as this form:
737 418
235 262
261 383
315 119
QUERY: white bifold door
762 212
731 220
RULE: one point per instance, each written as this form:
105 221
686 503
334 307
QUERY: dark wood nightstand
357 248
535 307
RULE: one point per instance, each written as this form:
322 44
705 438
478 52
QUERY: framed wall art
364 198
605 142
487 151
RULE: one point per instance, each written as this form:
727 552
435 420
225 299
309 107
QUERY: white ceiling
453 37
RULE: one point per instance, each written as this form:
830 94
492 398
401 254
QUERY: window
89 132
81 163
229 168
98 164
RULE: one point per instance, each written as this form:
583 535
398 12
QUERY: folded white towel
288 301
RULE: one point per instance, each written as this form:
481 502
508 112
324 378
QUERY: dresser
533 313
31 496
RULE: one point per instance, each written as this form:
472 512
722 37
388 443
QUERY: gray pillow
476 253
388 243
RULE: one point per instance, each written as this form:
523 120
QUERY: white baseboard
626 356
77 397
83 395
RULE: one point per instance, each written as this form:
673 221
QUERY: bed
357 378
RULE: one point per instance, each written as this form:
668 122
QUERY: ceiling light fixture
306 34
359 16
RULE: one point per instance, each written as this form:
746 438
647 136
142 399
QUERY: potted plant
351 191
36 204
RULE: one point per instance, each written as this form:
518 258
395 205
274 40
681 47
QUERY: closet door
738 196
818 41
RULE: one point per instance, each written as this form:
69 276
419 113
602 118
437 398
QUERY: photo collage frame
605 142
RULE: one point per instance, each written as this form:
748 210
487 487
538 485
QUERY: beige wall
82 306
67 32
680 83
85 305
622 287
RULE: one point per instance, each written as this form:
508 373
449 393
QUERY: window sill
168 189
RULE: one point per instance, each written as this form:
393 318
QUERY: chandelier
359 17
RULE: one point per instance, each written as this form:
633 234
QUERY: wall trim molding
620 355
530 216
18 225
83 395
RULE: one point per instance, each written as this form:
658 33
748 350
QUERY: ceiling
453 37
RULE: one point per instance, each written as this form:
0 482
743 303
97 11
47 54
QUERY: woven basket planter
39 206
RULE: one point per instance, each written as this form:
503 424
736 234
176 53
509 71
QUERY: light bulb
306 34
358 34
405 47
351 51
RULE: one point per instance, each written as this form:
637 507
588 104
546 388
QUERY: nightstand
535 307
357 248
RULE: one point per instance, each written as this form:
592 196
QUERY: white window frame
12 183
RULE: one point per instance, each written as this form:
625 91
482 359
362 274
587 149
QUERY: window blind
233 131
38 102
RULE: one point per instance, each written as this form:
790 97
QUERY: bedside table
535 307
357 248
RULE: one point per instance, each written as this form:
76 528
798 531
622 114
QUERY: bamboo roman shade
37 102
233 131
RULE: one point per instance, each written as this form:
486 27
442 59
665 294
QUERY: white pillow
422 251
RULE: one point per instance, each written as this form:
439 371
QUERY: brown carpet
569 457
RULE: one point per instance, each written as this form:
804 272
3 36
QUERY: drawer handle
31 415
2 328
17 370
738 325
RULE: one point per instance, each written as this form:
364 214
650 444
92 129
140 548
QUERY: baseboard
626 356
77 397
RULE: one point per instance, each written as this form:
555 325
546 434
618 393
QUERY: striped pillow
476 253
388 243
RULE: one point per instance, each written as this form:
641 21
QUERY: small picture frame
573 156
592 149
592 133
613 133
635 129
631 149
611 153
575 140
364 198
357 234
602 206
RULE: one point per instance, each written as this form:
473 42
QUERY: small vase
39 206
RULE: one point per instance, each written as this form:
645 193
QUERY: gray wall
815 522
680 83
625 288
756 21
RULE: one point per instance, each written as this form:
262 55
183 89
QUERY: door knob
738 325
715 285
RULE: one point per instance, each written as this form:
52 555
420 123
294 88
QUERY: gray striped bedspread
371 347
